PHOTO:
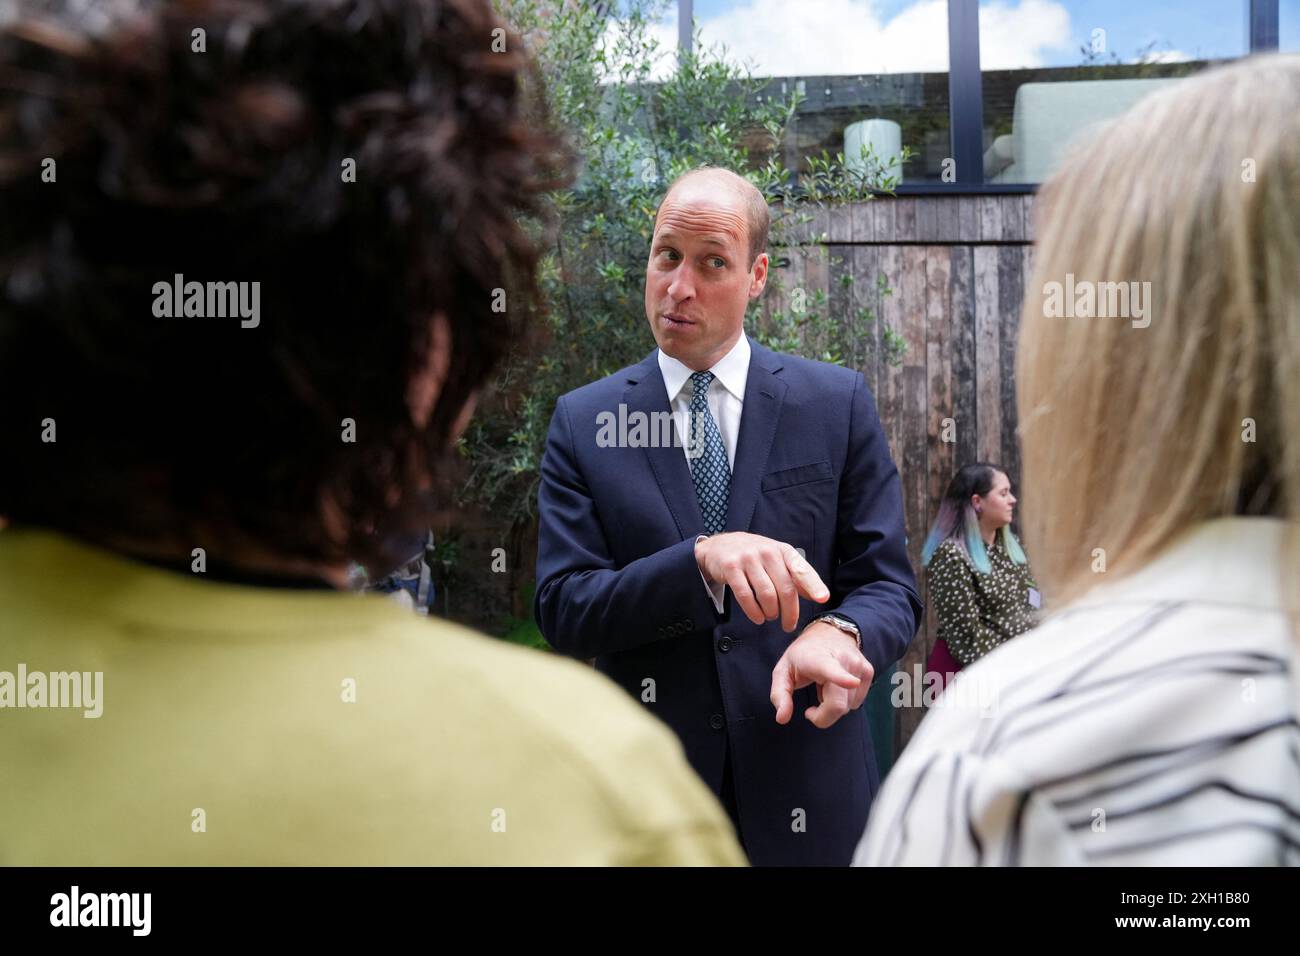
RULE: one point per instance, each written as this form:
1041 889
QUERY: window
1051 69
869 73
1002 86
1288 26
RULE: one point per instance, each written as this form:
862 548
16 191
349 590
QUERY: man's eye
717 262
670 254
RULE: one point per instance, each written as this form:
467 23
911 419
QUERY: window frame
966 90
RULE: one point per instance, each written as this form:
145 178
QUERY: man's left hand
828 657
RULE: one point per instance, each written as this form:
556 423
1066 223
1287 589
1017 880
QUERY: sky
809 37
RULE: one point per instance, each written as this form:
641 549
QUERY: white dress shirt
726 394
1152 722
726 398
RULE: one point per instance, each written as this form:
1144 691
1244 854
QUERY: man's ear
758 276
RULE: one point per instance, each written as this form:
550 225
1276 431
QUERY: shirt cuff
716 591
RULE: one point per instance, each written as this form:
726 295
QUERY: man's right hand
766 576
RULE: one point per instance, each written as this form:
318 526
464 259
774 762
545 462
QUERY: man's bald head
706 265
755 208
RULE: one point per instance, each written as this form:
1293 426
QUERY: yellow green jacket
258 726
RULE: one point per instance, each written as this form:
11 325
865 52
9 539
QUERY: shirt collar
732 370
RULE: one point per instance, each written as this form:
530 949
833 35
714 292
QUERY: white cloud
779 38
1016 37
663 32
853 37
1162 56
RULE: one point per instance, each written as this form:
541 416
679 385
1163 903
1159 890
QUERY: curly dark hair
228 165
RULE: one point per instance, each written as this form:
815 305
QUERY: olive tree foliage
638 116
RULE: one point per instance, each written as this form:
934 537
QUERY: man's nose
683 285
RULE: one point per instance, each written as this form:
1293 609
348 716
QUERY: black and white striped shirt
1154 722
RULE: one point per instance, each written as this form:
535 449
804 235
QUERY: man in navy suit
679 566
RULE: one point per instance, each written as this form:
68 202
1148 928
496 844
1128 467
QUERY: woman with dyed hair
1151 720
978 578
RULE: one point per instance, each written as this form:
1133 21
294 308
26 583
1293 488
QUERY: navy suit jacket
617 581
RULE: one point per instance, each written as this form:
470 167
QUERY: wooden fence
956 268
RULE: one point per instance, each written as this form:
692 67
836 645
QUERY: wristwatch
844 624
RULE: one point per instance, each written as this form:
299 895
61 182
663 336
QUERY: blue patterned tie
709 468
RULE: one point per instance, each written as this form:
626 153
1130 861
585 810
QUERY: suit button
716 721
724 645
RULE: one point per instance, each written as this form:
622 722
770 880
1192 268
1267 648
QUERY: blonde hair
1131 434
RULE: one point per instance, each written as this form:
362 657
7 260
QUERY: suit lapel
647 393
764 394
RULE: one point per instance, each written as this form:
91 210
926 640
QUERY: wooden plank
940 454
947 218
911 285
886 227
817 279
891 317
1013 218
964 371
1011 265
840 298
839 223
916 417
927 212
939 370
796 230
968 219
792 277
1027 273
915 439
916 486
905 219
988 357
990 219
795 279
864 220
912 282
1029 202
819 225
866 267
913 471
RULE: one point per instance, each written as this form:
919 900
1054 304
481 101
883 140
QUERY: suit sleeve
873 580
585 606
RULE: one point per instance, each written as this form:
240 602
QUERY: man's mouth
676 321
